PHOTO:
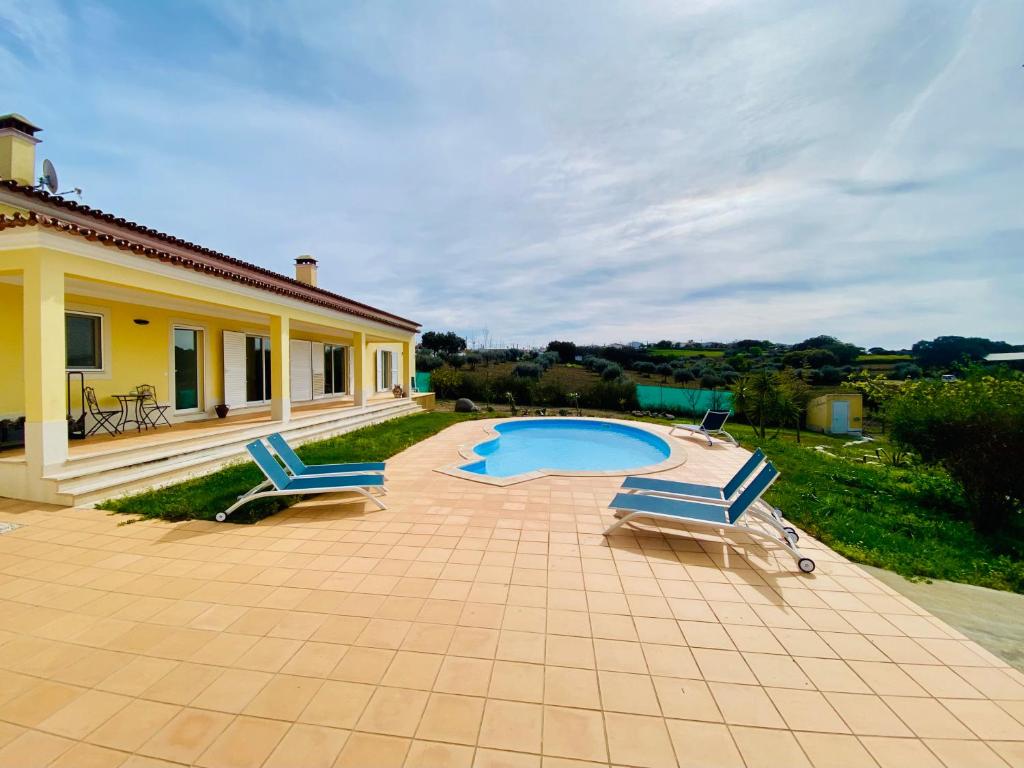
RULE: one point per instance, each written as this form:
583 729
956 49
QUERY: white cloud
596 172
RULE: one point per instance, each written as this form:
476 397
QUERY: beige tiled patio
472 625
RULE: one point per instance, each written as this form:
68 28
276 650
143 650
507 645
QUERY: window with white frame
84 341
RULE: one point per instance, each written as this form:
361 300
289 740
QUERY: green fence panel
423 381
692 401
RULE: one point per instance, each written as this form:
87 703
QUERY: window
334 369
84 341
384 374
257 369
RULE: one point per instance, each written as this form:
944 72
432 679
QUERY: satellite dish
49 177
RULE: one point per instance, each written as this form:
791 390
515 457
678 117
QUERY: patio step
89 480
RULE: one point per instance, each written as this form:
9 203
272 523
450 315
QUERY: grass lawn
686 352
203 497
901 519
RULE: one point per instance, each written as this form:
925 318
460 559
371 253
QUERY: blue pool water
566 444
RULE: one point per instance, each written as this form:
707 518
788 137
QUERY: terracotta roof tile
205 260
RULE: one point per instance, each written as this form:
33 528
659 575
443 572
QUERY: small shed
836 413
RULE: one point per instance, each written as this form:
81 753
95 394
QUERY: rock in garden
465 405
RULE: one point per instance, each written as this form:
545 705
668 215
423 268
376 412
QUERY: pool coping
676 458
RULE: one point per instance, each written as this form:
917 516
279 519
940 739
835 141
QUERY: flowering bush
975 429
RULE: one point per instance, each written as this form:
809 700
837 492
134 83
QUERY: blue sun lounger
299 468
696 491
712 425
711 493
638 505
284 485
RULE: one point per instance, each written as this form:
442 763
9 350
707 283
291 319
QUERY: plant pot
222 410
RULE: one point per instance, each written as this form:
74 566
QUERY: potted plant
222 410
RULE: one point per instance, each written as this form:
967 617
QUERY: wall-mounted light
140 321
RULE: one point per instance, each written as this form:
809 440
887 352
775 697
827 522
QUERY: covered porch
80 336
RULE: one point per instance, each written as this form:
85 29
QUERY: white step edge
83 465
88 491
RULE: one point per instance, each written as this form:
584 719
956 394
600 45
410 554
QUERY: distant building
836 414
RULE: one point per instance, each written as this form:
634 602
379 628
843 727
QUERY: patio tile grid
471 625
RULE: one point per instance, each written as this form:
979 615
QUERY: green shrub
975 430
827 374
428 361
527 371
907 371
682 376
644 366
619 395
447 383
611 372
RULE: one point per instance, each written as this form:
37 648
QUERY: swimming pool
564 445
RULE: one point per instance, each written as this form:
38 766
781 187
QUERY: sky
592 171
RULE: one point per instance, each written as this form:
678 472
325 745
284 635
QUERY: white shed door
301 370
234 369
840 417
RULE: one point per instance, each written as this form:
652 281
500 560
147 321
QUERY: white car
948 377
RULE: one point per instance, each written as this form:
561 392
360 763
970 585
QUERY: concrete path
993 619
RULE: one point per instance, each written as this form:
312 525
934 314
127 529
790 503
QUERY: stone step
104 483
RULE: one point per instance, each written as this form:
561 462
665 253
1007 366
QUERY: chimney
18 149
305 270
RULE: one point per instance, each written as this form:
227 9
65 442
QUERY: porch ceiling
95 289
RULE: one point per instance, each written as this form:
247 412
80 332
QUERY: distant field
884 358
686 352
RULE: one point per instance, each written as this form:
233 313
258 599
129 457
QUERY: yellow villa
95 302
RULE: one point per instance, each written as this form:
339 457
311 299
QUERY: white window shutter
395 364
318 369
380 369
301 372
234 369
350 368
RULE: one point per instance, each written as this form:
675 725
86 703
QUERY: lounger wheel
806 564
220 517
792 534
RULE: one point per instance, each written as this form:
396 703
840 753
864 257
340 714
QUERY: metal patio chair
150 407
104 419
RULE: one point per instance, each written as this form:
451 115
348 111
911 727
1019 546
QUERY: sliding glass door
188 368
257 369
334 369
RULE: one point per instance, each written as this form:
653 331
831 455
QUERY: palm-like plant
756 396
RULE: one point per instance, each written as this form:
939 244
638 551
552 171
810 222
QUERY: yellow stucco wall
133 354
819 412
12 375
141 353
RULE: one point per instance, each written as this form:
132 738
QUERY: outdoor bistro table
125 402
